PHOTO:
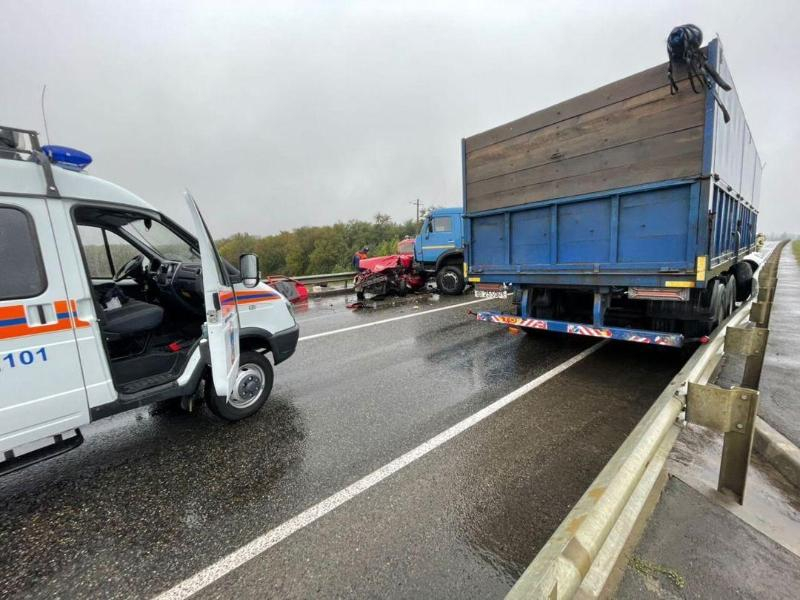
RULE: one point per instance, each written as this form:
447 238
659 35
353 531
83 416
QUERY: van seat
132 318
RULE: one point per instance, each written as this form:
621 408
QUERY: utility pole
418 205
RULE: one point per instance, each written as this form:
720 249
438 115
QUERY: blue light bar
69 158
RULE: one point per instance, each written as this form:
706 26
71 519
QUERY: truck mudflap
640 336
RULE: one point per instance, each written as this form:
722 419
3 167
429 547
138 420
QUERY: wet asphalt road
150 499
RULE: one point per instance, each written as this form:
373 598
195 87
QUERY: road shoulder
778 403
693 547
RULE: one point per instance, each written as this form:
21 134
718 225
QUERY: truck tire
743 273
253 386
717 305
450 280
730 296
712 304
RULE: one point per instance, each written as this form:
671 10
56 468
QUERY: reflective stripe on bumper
618 333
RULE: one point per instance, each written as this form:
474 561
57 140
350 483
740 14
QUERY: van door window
21 271
121 250
105 251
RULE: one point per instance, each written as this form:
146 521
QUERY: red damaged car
387 275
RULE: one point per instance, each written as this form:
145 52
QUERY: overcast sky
278 115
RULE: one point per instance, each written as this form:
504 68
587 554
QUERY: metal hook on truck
106 305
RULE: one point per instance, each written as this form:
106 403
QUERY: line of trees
316 250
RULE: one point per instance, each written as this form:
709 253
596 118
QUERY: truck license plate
493 292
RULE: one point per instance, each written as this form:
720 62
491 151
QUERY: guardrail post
733 413
759 313
766 294
750 342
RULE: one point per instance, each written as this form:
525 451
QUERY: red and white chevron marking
519 322
590 331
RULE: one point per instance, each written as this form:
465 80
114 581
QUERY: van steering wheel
129 268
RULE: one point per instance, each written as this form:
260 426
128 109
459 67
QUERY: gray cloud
281 115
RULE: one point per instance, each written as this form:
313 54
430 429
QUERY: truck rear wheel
712 306
730 296
252 388
717 303
450 280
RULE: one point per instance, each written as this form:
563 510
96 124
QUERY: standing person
358 256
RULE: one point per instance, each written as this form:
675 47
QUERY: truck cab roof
448 210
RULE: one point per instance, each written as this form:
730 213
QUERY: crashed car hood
381 263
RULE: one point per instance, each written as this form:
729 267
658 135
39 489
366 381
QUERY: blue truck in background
628 212
439 249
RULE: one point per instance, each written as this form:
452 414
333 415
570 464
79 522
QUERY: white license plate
491 294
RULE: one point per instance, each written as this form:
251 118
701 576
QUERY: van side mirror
248 267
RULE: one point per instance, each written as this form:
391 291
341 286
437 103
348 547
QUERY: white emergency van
107 305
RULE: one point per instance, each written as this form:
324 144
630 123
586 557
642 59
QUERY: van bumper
284 343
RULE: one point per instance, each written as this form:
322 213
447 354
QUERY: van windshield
161 239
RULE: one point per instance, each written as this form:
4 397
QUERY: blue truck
439 249
628 212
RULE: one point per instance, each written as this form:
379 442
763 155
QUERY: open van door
222 317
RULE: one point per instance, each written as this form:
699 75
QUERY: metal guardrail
578 559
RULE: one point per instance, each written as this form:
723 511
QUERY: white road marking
400 318
249 551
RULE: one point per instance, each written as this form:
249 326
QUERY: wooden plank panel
617 91
659 147
651 114
645 171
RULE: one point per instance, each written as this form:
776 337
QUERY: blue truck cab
628 212
439 249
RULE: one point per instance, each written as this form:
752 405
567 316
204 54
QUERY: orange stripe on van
226 299
14 321
256 296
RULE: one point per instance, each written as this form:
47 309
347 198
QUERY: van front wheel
252 388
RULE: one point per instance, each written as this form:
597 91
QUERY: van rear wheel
252 388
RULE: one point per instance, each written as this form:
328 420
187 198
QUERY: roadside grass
796 250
